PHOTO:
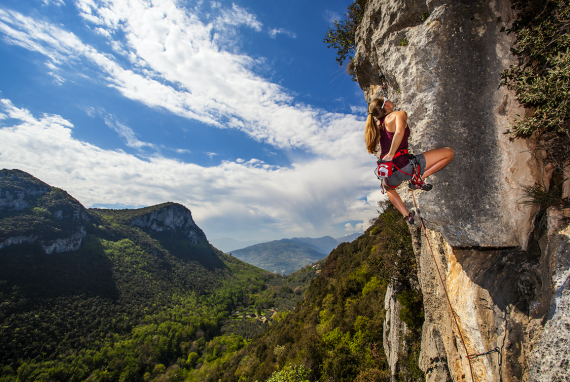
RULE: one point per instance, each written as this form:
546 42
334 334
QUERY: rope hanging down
444 289
454 315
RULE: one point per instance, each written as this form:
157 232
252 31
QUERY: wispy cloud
274 32
331 16
211 155
59 3
359 110
125 132
237 16
177 47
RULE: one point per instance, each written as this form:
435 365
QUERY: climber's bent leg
397 201
436 160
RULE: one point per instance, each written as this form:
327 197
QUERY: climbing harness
453 314
385 170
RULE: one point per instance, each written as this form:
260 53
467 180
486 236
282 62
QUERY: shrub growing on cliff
342 36
541 80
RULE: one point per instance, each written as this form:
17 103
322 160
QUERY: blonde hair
371 133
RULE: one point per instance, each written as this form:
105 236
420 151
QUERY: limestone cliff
26 203
173 218
506 270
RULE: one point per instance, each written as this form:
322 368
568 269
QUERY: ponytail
371 132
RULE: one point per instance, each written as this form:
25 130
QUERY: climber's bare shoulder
399 114
396 118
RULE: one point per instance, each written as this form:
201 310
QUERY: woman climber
386 135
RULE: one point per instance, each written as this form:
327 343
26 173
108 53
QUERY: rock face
505 269
22 187
394 329
174 218
551 356
445 73
26 203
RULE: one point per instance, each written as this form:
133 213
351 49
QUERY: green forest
335 334
130 304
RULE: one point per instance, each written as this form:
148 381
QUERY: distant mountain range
288 255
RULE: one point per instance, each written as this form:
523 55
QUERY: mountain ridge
298 252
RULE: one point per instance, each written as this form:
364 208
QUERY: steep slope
139 288
280 256
337 333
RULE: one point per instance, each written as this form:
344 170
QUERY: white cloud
57 78
59 3
237 16
183 151
361 110
359 227
274 32
247 197
331 16
125 132
211 155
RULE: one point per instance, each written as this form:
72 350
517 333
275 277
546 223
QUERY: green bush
541 81
291 373
541 78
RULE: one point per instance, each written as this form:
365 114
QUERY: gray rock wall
447 79
394 330
507 275
550 357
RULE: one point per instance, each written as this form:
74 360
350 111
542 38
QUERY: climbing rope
444 289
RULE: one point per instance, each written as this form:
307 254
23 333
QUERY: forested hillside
336 334
140 299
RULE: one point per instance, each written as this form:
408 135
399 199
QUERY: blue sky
235 109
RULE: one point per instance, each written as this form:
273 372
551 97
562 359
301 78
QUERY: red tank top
386 142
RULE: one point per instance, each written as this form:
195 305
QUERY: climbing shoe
410 217
421 185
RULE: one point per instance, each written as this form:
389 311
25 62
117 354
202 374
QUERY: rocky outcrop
15 193
59 245
394 331
35 212
550 358
71 243
174 218
504 268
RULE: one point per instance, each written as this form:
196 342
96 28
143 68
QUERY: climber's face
389 106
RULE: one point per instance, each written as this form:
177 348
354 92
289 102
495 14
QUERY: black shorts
398 176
